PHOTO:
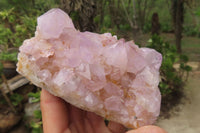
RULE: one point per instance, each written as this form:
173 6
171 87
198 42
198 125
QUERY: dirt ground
185 117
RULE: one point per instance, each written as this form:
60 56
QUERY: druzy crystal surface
95 72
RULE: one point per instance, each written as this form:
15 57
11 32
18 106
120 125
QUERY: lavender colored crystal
95 72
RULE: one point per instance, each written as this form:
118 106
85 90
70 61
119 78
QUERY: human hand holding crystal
61 117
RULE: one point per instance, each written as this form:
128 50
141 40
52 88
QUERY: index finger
54 113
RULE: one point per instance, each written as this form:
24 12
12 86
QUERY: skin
61 117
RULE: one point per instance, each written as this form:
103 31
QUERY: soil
184 118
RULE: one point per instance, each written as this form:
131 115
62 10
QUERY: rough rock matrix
95 72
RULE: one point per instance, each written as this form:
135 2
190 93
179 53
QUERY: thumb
116 127
148 129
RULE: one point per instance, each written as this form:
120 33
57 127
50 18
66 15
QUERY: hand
61 117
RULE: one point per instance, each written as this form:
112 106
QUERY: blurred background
172 27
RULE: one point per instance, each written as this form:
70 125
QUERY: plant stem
8 101
127 15
6 83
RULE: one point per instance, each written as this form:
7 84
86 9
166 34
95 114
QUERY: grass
190 45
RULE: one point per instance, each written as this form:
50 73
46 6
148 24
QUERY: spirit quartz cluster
95 72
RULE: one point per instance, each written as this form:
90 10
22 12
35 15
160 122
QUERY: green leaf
8 56
38 114
188 68
37 130
36 125
16 99
182 65
184 58
163 85
11 18
150 41
35 96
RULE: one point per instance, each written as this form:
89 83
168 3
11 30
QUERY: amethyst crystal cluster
95 72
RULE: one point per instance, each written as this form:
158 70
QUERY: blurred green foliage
38 114
111 18
16 99
166 27
147 27
192 30
14 28
171 79
37 126
5 56
35 96
18 22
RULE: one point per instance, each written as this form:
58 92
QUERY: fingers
99 126
97 123
116 127
56 120
54 113
148 129
86 122
88 126
77 119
